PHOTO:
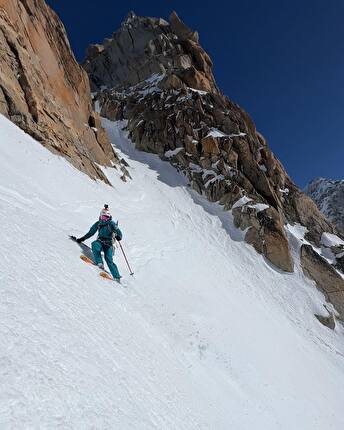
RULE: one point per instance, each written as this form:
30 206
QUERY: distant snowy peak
328 194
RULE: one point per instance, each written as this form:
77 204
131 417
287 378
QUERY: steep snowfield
206 335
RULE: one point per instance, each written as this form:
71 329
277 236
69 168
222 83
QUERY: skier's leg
97 252
108 253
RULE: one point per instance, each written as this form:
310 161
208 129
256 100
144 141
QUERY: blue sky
280 61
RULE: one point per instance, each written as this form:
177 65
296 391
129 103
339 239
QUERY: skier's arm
90 233
117 231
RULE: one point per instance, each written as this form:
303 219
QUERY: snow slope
207 335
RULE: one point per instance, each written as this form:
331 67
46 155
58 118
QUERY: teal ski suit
104 243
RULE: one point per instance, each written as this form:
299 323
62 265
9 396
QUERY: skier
106 229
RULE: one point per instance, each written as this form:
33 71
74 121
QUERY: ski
87 260
104 274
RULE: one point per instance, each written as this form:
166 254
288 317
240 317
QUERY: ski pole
126 260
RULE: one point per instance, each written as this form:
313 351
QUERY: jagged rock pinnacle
130 18
144 46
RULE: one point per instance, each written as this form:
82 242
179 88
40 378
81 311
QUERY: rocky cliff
329 196
155 75
44 90
149 46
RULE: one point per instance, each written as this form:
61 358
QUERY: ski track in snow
207 334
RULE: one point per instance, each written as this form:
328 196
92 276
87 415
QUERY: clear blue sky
282 61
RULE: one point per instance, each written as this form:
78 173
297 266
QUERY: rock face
143 47
329 196
155 75
43 89
325 276
328 321
265 233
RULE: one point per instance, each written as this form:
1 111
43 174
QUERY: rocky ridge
155 75
328 194
143 47
45 91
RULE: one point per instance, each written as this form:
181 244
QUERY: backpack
111 241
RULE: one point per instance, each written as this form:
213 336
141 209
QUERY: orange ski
106 276
87 260
102 274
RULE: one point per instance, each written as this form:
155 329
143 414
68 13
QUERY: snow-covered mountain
154 75
328 194
234 317
205 335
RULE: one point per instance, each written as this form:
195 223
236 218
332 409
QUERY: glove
79 239
118 238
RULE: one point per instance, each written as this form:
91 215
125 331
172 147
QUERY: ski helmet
105 214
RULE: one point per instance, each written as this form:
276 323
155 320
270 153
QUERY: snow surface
202 93
241 202
172 153
329 239
97 106
148 86
259 207
207 334
215 132
298 232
